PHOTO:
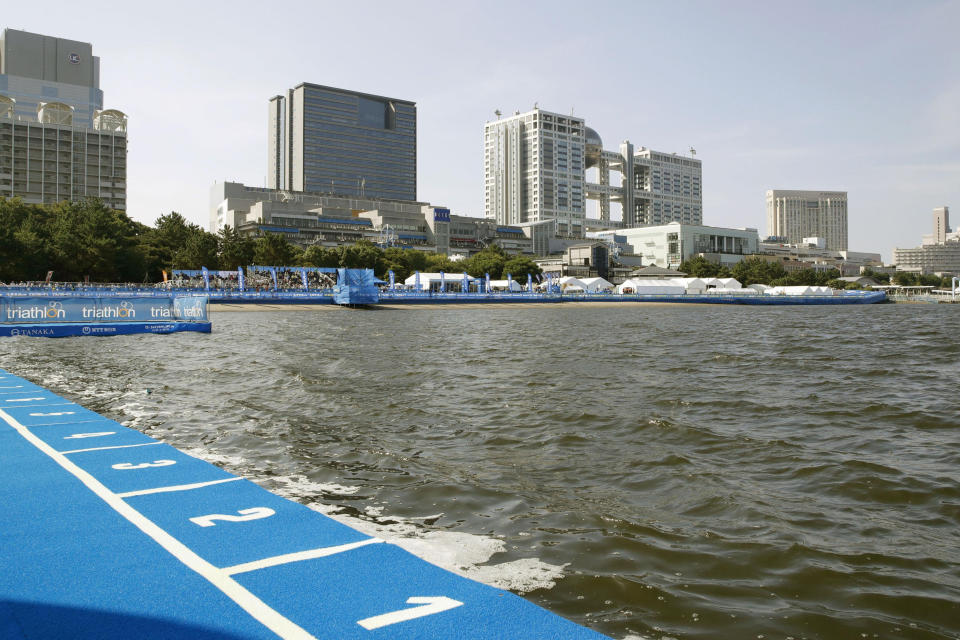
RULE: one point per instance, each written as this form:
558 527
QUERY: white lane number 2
123 466
254 513
429 605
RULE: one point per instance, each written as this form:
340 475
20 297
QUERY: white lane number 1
254 513
429 605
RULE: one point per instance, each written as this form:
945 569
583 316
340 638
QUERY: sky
856 96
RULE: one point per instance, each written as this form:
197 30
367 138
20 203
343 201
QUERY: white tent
802 290
729 283
569 284
596 284
651 286
691 285
426 279
505 285
759 288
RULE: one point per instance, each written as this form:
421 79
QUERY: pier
108 533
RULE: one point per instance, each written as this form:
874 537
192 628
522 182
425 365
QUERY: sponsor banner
77 309
190 308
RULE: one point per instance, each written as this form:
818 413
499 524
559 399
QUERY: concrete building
670 244
939 253
56 140
535 169
814 254
795 215
330 220
327 140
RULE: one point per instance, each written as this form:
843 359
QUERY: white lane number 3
254 513
429 605
124 466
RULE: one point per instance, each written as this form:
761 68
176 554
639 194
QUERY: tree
757 271
233 249
272 249
700 267
519 266
361 255
317 256
440 262
89 239
489 260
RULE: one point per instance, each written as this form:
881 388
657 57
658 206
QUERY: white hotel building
795 215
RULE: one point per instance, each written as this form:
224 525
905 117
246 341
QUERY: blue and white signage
441 214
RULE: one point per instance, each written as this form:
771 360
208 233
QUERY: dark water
685 472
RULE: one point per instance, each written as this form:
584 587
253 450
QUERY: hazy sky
861 97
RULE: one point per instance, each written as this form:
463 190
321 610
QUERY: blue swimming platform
108 533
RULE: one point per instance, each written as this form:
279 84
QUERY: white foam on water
462 553
299 486
215 458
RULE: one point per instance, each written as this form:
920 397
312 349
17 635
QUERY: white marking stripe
177 487
60 424
299 556
429 605
119 446
250 603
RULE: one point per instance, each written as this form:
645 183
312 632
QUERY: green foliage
758 271
317 256
882 278
519 266
235 250
275 250
489 260
700 267
440 262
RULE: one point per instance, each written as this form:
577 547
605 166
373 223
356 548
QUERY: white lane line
250 603
66 422
176 487
119 446
297 557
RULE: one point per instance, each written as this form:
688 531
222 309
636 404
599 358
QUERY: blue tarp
356 286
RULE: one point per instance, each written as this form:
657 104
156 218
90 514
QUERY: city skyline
855 97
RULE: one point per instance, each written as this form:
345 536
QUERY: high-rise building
938 253
327 140
941 224
56 140
795 215
535 169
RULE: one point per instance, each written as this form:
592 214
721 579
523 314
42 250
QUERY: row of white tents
638 286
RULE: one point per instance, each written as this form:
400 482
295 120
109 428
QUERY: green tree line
83 239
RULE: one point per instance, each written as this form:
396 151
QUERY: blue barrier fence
105 308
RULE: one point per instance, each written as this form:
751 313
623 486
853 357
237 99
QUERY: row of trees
86 239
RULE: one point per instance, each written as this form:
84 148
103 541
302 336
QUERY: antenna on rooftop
693 152
498 113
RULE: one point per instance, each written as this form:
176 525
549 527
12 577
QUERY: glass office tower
328 140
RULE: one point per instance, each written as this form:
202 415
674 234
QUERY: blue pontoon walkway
107 533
